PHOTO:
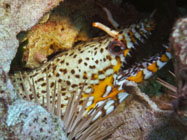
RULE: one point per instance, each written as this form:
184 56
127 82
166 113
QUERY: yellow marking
164 58
153 67
132 36
125 52
152 25
99 89
95 76
117 67
137 78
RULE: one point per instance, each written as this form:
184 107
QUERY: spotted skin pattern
96 67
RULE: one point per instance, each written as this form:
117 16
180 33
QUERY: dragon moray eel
97 65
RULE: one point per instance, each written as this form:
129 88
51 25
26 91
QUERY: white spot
88 90
109 72
91 98
89 74
97 116
109 110
89 103
70 89
168 55
142 27
101 68
130 44
147 74
108 90
108 104
114 62
96 81
144 64
137 35
95 71
92 81
101 76
122 96
100 103
160 64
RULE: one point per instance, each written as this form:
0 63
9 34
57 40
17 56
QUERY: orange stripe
132 36
117 67
164 58
153 67
125 52
137 78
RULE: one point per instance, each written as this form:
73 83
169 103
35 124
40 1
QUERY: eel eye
116 47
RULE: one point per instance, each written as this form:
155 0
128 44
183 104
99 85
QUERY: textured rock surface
20 119
58 33
23 120
16 16
178 43
142 120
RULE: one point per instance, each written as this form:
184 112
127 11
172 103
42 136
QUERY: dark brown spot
66 98
22 87
109 57
92 67
67 63
40 79
64 71
82 51
36 74
48 67
62 61
95 53
63 89
104 59
52 84
63 94
71 54
96 61
50 75
43 84
68 83
60 80
57 75
87 58
72 71
79 61
62 105
54 68
74 85
101 50
75 56
77 76
81 102
31 96
85 64
43 91
100 72
85 77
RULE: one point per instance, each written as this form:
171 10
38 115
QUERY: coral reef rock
20 119
17 16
